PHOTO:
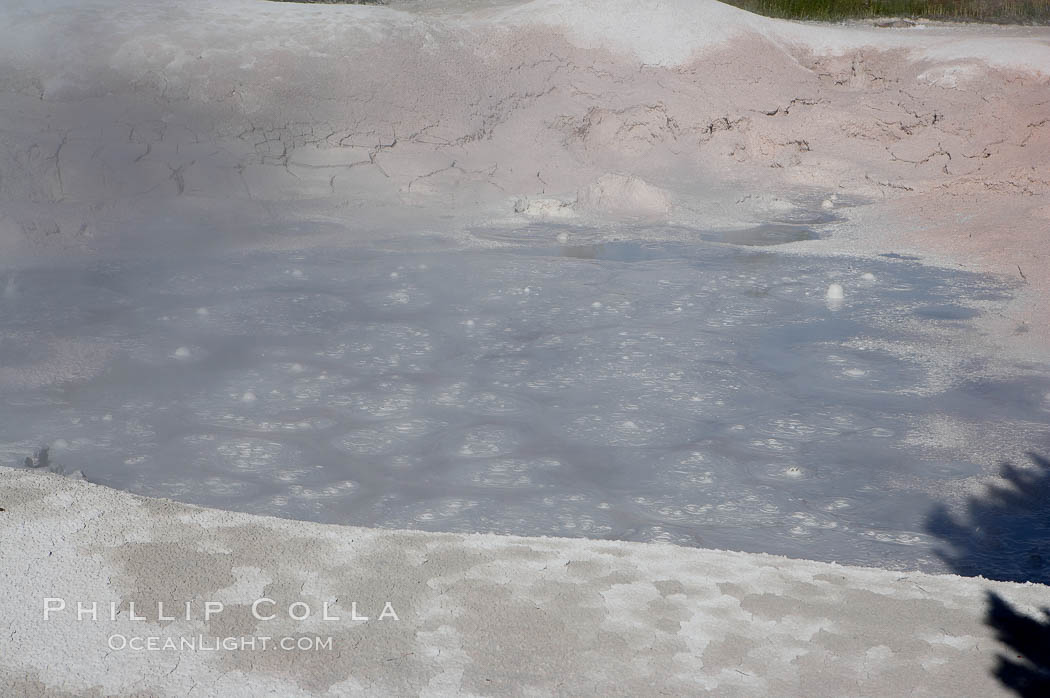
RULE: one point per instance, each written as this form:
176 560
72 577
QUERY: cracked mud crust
941 133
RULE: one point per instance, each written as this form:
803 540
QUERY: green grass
997 11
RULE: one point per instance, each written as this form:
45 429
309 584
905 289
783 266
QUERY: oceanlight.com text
201 643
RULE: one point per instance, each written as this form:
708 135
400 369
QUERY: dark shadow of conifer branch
1005 536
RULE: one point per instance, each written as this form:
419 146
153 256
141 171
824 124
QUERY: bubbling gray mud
705 394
